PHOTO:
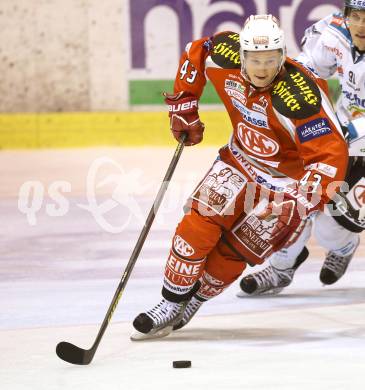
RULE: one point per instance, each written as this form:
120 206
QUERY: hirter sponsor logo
256 142
313 129
182 247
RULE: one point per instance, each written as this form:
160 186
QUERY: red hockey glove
291 217
184 117
288 224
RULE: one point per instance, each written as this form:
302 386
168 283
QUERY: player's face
356 23
262 66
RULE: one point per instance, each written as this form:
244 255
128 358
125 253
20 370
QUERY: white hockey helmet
358 5
261 33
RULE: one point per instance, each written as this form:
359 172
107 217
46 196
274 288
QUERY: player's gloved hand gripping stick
76 355
184 117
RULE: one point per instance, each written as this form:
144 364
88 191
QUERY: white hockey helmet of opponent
358 5
261 33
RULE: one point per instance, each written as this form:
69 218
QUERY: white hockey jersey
327 48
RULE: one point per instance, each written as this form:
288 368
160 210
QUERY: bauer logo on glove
184 117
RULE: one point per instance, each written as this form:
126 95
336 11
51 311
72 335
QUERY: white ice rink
57 278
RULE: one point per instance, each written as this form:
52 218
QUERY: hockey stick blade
70 353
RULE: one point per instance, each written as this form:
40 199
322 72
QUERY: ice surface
57 279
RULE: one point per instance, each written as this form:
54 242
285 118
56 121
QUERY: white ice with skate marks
58 279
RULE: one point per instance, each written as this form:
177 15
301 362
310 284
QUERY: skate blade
274 291
138 336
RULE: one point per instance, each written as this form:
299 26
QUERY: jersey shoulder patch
337 19
296 95
226 50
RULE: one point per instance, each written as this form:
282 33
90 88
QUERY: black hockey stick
76 355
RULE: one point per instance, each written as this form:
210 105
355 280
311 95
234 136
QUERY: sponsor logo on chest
258 108
255 176
237 95
313 129
233 76
355 98
250 116
255 142
231 84
335 51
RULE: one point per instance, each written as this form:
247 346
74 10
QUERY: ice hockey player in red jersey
333 45
258 194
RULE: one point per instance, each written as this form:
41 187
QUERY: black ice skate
334 267
270 280
191 308
159 321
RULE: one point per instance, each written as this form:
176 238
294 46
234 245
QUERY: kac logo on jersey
257 143
253 117
182 247
313 129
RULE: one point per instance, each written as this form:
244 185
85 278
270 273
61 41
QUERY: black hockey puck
181 364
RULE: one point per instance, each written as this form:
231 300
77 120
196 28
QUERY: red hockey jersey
281 134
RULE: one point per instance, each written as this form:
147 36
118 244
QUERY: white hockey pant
328 233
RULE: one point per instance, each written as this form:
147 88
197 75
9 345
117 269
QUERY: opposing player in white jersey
335 44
